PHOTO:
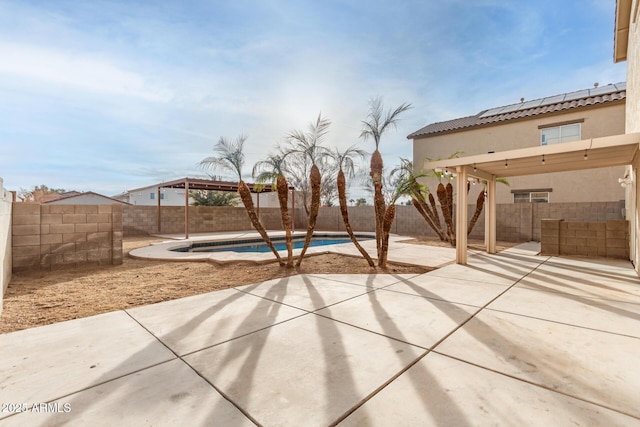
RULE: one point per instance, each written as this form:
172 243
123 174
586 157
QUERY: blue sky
107 96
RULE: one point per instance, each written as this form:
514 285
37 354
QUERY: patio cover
617 150
210 185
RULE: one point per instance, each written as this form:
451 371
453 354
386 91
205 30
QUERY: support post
293 210
461 216
490 216
159 215
186 209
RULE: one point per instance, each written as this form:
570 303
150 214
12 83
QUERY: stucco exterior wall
5 240
632 125
599 121
633 73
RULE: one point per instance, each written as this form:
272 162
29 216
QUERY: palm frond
374 126
230 156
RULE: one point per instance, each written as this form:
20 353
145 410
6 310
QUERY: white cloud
76 70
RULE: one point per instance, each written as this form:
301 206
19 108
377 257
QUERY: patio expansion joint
536 384
178 357
429 350
304 309
563 323
328 276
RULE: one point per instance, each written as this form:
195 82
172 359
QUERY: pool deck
402 253
510 339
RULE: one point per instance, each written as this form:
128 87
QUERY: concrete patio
509 339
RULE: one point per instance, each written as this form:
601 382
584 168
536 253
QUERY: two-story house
574 116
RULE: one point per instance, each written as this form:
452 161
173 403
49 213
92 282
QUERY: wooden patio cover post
186 208
159 217
461 215
490 216
207 185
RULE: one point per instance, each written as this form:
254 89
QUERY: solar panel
531 104
492 112
550 100
510 108
602 90
577 95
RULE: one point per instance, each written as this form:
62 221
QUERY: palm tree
374 127
344 159
272 169
400 180
230 157
308 145
417 192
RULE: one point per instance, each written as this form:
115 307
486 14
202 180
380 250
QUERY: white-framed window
559 134
531 196
152 196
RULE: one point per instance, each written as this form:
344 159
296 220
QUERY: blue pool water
258 245
280 246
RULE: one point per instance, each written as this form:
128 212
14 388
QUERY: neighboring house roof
87 193
550 104
206 184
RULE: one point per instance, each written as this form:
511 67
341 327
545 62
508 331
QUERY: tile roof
581 98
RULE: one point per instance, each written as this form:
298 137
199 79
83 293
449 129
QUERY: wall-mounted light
506 163
586 156
625 181
543 162
474 167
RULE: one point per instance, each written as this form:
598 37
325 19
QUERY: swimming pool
258 245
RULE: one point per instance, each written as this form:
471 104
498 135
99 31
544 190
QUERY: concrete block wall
143 220
586 238
57 236
592 212
516 222
6 261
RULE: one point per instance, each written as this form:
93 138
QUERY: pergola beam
208 185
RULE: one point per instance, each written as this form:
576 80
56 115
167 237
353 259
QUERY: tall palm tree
374 127
308 144
400 180
269 170
344 159
230 157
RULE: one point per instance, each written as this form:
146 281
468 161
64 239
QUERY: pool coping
163 251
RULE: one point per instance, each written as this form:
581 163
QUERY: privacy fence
5 240
35 237
515 222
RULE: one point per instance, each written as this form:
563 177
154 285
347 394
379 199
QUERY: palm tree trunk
476 214
452 232
436 217
283 199
446 210
420 207
315 178
386 229
342 197
431 216
378 198
245 196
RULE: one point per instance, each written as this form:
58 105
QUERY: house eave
621 31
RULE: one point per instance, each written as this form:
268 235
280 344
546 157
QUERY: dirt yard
45 297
